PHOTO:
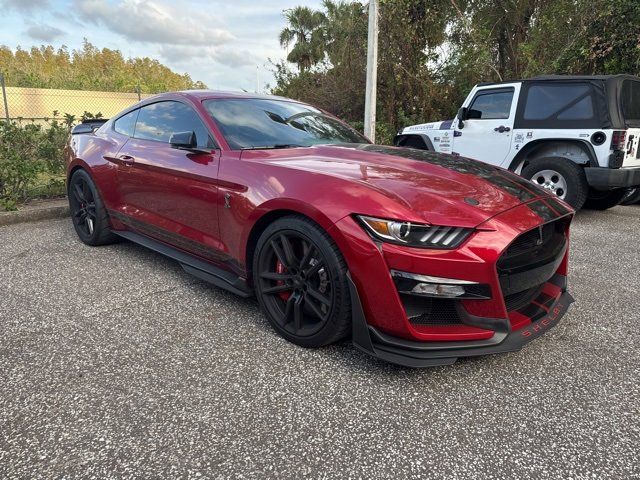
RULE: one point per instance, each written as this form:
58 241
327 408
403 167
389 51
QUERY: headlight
415 234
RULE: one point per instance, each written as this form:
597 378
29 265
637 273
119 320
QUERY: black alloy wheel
84 213
300 281
88 213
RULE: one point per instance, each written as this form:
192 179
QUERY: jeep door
488 129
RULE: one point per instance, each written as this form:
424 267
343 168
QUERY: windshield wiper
274 147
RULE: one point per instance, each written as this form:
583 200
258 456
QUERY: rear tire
561 176
300 281
632 197
89 215
603 200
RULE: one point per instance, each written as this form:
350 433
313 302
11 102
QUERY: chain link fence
38 105
34 128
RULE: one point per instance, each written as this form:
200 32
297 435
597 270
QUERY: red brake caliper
280 268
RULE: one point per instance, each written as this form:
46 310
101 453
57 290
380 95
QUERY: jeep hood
438 188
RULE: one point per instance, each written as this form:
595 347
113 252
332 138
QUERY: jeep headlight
415 234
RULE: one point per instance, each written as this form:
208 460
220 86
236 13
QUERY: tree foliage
431 52
88 68
305 33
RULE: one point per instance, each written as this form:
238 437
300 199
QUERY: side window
491 105
630 100
559 102
159 121
126 124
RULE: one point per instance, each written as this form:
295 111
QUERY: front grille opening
426 311
529 262
535 247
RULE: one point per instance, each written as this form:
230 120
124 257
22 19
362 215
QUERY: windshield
630 101
268 123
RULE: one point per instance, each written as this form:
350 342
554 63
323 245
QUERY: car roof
211 94
560 78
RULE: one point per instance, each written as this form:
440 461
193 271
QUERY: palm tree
305 31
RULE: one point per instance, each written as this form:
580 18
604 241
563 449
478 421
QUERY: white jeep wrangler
577 136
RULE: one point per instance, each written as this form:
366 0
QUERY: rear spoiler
88 126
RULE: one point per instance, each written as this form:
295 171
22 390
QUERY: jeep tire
561 176
603 200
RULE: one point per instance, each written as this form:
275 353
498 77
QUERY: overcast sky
221 42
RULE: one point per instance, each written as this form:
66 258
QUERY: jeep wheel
603 200
560 176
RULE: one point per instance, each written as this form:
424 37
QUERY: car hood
437 187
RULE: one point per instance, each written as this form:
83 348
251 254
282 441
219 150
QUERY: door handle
502 129
127 159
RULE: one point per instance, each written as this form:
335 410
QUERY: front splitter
429 354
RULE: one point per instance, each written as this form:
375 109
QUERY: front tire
300 280
560 176
603 200
89 215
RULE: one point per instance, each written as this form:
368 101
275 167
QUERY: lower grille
515 301
427 311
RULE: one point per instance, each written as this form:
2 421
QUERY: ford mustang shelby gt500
419 257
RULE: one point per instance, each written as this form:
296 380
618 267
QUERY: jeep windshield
630 102
271 123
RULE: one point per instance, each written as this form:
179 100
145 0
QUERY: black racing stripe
506 181
533 312
540 208
178 241
545 300
558 206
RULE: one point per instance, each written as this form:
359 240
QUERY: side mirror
471 113
462 116
183 140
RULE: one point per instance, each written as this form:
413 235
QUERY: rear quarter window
126 124
561 102
561 105
630 101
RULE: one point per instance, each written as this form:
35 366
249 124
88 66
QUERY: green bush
31 161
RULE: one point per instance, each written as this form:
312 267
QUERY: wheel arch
402 139
548 147
266 218
79 165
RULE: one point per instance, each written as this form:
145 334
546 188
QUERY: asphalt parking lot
116 364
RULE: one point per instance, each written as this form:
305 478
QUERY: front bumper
602 178
409 353
388 326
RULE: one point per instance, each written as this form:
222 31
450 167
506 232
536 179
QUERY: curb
32 213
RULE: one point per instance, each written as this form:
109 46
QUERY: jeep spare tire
561 177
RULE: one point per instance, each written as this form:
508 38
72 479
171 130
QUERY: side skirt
193 265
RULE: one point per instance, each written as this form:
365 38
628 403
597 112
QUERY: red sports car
420 258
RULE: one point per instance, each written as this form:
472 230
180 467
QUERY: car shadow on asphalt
341 355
